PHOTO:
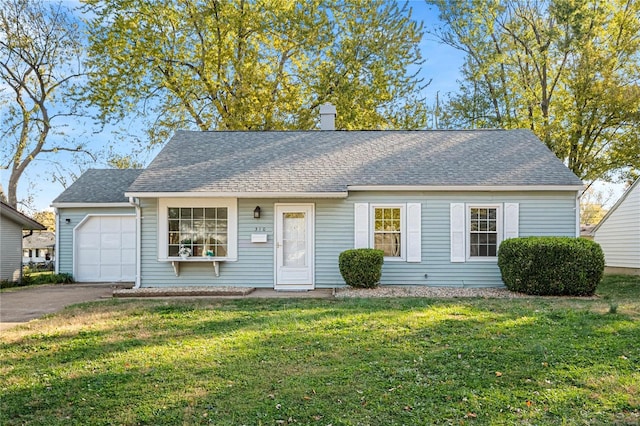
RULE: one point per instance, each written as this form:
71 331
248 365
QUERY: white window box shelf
176 261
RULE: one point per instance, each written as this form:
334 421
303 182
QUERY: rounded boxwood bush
551 265
361 268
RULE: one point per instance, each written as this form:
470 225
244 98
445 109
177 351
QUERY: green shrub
27 279
62 278
551 265
7 284
361 268
38 278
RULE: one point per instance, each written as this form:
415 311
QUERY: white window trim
499 228
163 224
403 229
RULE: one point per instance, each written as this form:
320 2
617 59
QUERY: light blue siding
76 215
541 213
254 267
548 213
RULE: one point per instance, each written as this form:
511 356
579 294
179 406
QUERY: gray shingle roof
329 161
41 239
99 186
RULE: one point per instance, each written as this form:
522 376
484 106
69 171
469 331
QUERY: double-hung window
388 230
478 229
393 228
483 232
207 227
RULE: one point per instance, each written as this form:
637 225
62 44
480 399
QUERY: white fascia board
464 188
89 205
237 194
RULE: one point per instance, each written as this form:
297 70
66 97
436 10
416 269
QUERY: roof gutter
89 205
577 208
465 188
136 204
237 194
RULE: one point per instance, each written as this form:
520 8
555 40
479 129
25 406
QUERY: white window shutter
457 215
511 220
414 238
361 225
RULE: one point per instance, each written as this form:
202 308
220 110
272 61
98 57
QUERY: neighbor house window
483 232
204 230
208 227
388 229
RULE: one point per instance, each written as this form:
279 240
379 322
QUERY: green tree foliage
567 69
117 161
40 59
46 218
254 65
591 205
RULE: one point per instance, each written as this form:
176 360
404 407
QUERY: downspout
56 252
578 195
135 202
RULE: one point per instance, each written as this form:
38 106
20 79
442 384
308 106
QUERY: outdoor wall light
256 212
67 220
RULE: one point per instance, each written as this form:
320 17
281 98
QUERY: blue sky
441 66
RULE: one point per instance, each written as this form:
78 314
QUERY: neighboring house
96 227
38 247
618 233
275 209
12 223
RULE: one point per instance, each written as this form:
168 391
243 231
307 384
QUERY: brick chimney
327 117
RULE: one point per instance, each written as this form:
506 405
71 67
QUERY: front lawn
320 362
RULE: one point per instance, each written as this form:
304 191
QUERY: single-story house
618 233
12 223
274 209
38 247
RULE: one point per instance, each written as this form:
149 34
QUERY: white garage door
105 249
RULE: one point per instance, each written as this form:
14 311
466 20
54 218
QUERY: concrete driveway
22 305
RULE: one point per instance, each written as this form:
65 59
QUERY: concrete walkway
222 292
21 305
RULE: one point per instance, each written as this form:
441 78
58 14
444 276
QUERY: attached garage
96 226
105 249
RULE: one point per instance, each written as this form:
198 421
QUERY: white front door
294 268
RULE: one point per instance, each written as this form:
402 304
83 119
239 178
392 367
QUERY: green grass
319 362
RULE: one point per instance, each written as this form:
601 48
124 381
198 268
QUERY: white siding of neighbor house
10 249
540 213
65 230
619 233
